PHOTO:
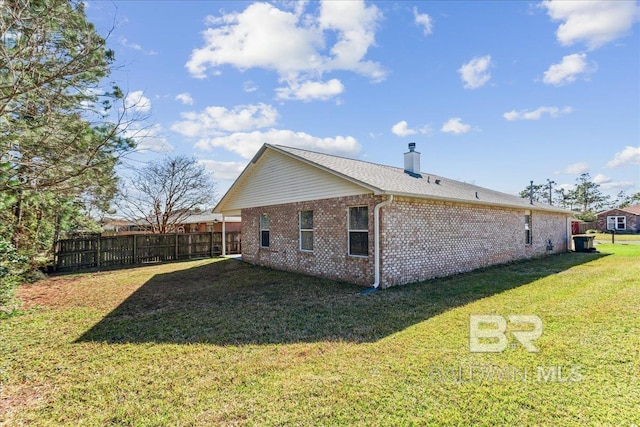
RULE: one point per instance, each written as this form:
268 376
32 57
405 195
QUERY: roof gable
285 175
275 177
633 210
393 180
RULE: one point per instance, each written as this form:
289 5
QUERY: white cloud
249 86
423 20
185 98
135 46
593 22
148 138
629 156
537 113
601 179
574 169
606 183
355 24
454 125
246 144
475 73
137 102
310 90
293 44
565 187
567 71
618 185
402 129
215 121
223 171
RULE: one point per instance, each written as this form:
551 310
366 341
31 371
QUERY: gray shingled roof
392 180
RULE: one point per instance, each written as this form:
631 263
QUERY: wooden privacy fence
114 251
584 226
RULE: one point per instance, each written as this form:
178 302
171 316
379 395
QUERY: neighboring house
193 223
378 225
207 222
112 225
624 220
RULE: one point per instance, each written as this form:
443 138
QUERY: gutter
376 244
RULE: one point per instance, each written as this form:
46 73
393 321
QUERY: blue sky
493 93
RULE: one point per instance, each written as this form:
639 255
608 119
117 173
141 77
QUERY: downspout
376 243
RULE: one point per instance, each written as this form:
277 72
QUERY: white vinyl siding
278 179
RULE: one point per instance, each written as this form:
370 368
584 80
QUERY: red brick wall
633 221
425 239
419 239
329 258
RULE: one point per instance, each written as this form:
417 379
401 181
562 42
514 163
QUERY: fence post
211 244
175 236
134 255
98 241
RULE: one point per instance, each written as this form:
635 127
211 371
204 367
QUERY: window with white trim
265 225
616 223
528 236
306 231
359 231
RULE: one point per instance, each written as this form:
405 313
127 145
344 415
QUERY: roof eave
544 208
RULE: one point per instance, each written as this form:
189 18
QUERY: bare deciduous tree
165 193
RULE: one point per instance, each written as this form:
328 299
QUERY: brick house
623 220
377 225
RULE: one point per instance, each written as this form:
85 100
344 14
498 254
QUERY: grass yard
622 238
220 342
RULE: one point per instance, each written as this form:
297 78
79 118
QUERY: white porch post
224 237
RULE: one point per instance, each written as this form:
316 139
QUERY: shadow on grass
229 302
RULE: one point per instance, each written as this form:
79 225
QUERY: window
616 223
265 224
359 231
528 238
306 230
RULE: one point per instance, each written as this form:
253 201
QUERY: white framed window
265 226
616 223
306 231
358 225
528 236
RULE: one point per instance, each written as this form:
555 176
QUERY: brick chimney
412 160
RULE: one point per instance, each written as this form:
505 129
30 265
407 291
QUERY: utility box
583 243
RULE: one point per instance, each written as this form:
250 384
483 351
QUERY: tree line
64 131
585 198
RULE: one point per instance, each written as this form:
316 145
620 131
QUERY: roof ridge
336 156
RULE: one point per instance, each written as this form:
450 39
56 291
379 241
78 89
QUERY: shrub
12 267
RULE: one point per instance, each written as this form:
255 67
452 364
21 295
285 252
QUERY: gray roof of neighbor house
382 179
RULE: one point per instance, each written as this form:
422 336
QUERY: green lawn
219 342
618 238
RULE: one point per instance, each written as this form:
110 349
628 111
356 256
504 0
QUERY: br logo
488 332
